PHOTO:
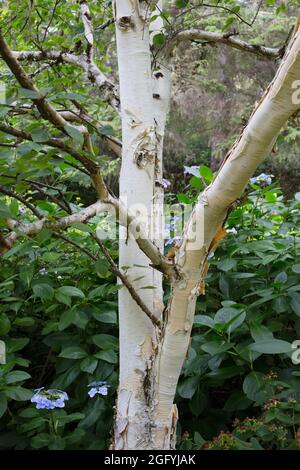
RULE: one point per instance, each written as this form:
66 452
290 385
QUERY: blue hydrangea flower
262 179
98 387
49 399
165 183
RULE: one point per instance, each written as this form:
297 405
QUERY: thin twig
14 195
126 282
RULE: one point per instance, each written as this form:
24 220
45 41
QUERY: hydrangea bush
239 387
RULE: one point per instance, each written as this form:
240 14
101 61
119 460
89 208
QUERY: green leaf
274 346
107 130
295 302
89 365
24 321
204 320
75 134
73 352
253 384
26 274
43 291
231 318
226 264
182 3
296 267
4 324
19 393
105 316
215 347
14 345
105 341
3 404
40 134
237 401
17 376
188 387
206 173
228 22
66 319
71 291
159 39
57 443
107 356
184 198
39 441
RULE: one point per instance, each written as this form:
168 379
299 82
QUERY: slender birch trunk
142 131
151 359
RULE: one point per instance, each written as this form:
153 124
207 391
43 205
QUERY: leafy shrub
58 318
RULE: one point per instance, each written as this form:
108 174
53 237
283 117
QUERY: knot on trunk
125 23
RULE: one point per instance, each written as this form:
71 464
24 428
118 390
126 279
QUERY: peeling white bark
138 337
253 146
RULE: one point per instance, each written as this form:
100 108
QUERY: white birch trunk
151 360
138 337
279 103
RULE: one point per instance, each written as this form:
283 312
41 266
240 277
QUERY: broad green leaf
16 376
71 291
43 291
73 352
206 173
107 356
75 134
272 346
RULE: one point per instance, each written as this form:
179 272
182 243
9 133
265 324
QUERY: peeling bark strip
250 150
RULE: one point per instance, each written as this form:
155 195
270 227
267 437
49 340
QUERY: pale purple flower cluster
165 183
98 387
262 179
49 399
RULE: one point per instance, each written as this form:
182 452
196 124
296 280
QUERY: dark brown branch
26 203
51 197
91 166
77 245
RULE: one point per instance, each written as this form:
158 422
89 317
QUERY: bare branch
223 38
77 245
126 282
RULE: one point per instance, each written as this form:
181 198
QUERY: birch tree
154 337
